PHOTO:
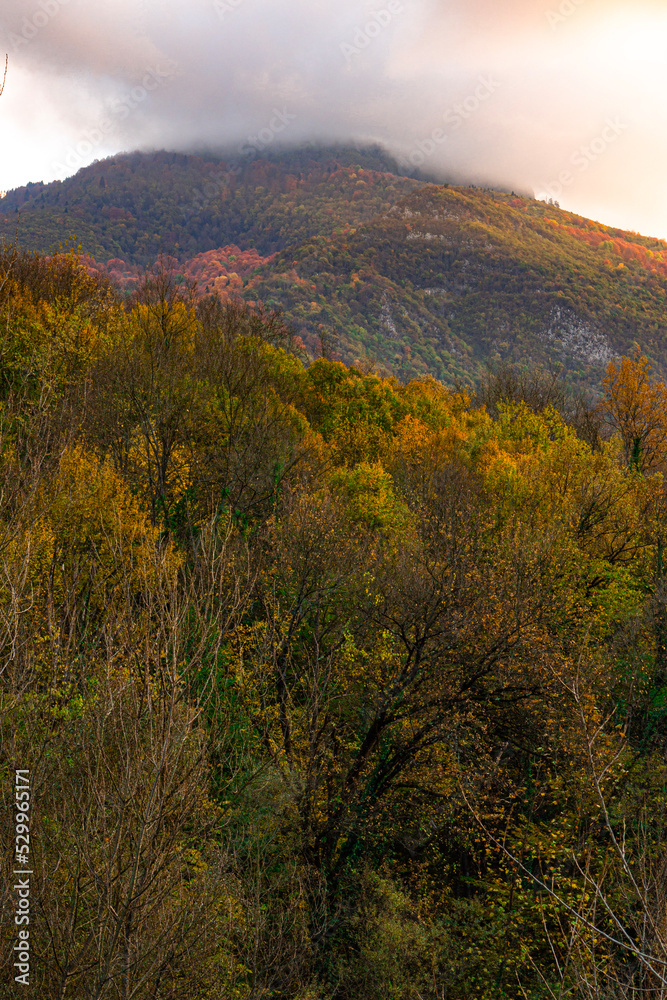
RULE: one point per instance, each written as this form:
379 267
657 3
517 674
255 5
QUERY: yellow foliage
637 408
88 540
369 496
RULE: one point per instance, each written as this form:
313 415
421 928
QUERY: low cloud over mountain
562 97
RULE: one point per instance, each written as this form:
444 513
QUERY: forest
135 206
329 686
367 265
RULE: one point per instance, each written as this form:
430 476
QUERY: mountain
449 279
140 205
378 267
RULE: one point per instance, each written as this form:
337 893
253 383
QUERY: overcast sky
561 98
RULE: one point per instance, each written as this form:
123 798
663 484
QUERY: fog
563 99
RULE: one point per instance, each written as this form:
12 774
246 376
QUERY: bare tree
607 937
129 877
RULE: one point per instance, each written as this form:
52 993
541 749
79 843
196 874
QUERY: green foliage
330 687
368 493
367 265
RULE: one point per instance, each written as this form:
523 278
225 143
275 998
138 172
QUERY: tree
600 880
192 402
637 409
374 645
128 877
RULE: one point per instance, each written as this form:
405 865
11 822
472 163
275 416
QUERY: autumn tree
192 402
329 686
383 632
637 409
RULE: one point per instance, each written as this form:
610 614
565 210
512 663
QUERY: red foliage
223 271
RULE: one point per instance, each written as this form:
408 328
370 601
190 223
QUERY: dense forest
368 266
330 686
137 206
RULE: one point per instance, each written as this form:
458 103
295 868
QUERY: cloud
409 73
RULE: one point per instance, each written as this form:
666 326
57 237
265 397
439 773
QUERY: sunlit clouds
568 83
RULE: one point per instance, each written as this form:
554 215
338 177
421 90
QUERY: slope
452 278
140 205
377 267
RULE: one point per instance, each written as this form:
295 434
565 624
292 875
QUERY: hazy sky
563 98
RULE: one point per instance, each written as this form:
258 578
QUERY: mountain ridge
420 278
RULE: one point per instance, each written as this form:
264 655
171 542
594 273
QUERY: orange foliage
638 410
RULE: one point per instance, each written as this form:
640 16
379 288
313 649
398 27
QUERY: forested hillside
366 265
451 279
140 205
330 686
